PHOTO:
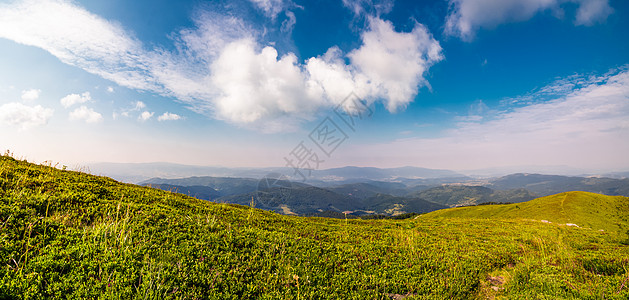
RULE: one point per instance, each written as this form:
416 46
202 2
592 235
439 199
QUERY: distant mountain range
458 195
138 172
544 185
365 196
135 173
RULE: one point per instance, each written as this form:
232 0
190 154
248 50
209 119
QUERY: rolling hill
363 190
392 205
588 210
67 234
225 186
310 200
297 200
461 195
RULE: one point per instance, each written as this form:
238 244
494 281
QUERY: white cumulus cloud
403 58
30 95
145 116
85 114
168 117
73 99
255 85
221 69
468 16
23 116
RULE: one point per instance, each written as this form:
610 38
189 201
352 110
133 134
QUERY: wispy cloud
78 38
138 105
586 128
468 16
23 116
592 11
271 7
369 7
559 88
85 114
126 112
274 8
289 23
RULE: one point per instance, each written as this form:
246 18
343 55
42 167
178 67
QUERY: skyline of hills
138 172
361 196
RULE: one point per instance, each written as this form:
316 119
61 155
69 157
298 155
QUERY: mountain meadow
67 234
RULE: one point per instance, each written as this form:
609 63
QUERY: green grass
66 234
589 210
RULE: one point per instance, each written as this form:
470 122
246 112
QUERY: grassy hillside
589 210
70 235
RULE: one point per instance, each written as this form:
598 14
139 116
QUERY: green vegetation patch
67 234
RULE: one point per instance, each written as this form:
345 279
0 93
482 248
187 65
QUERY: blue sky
455 84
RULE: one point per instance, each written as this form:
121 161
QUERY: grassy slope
594 211
70 235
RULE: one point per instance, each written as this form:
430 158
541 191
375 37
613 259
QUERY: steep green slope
589 210
71 235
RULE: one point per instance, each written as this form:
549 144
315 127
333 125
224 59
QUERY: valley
390 195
